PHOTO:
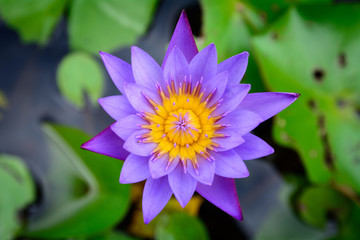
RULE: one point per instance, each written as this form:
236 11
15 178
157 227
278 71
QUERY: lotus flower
184 126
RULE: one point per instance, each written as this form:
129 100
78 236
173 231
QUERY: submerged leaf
17 190
282 224
81 189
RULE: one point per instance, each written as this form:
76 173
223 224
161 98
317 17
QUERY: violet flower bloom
184 126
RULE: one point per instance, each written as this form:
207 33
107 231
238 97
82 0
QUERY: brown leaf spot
274 36
341 103
342 60
318 75
312 104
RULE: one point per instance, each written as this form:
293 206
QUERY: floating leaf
108 24
33 19
82 195
317 55
180 226
316 202
79 73
17 191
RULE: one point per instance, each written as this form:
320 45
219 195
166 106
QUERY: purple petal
236 66
135 169
229 164
183 38
159 166
205 172
119 70
232 97
219 83
222 193
145 69
204 64
107 143
136 96
241 121
267 104
157 193
134 145
231 140
116 106
176 67
182 184
127 125
253 147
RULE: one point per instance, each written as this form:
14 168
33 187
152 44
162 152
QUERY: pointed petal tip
122 180
211 48
100 100
293 95
182 204
146 220
271 151
183 16
246 85
183 37
239 217
134 48
83 146
87 145
103 55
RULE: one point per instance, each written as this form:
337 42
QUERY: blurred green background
52 76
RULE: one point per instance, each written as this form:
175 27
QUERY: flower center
182 125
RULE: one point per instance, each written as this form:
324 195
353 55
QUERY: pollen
183 125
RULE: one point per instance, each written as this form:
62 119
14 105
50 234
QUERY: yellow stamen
182 124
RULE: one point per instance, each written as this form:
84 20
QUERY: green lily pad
108 24
180 226
317 55
80 73
230 24
316 202
82 195
17 191
33 19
